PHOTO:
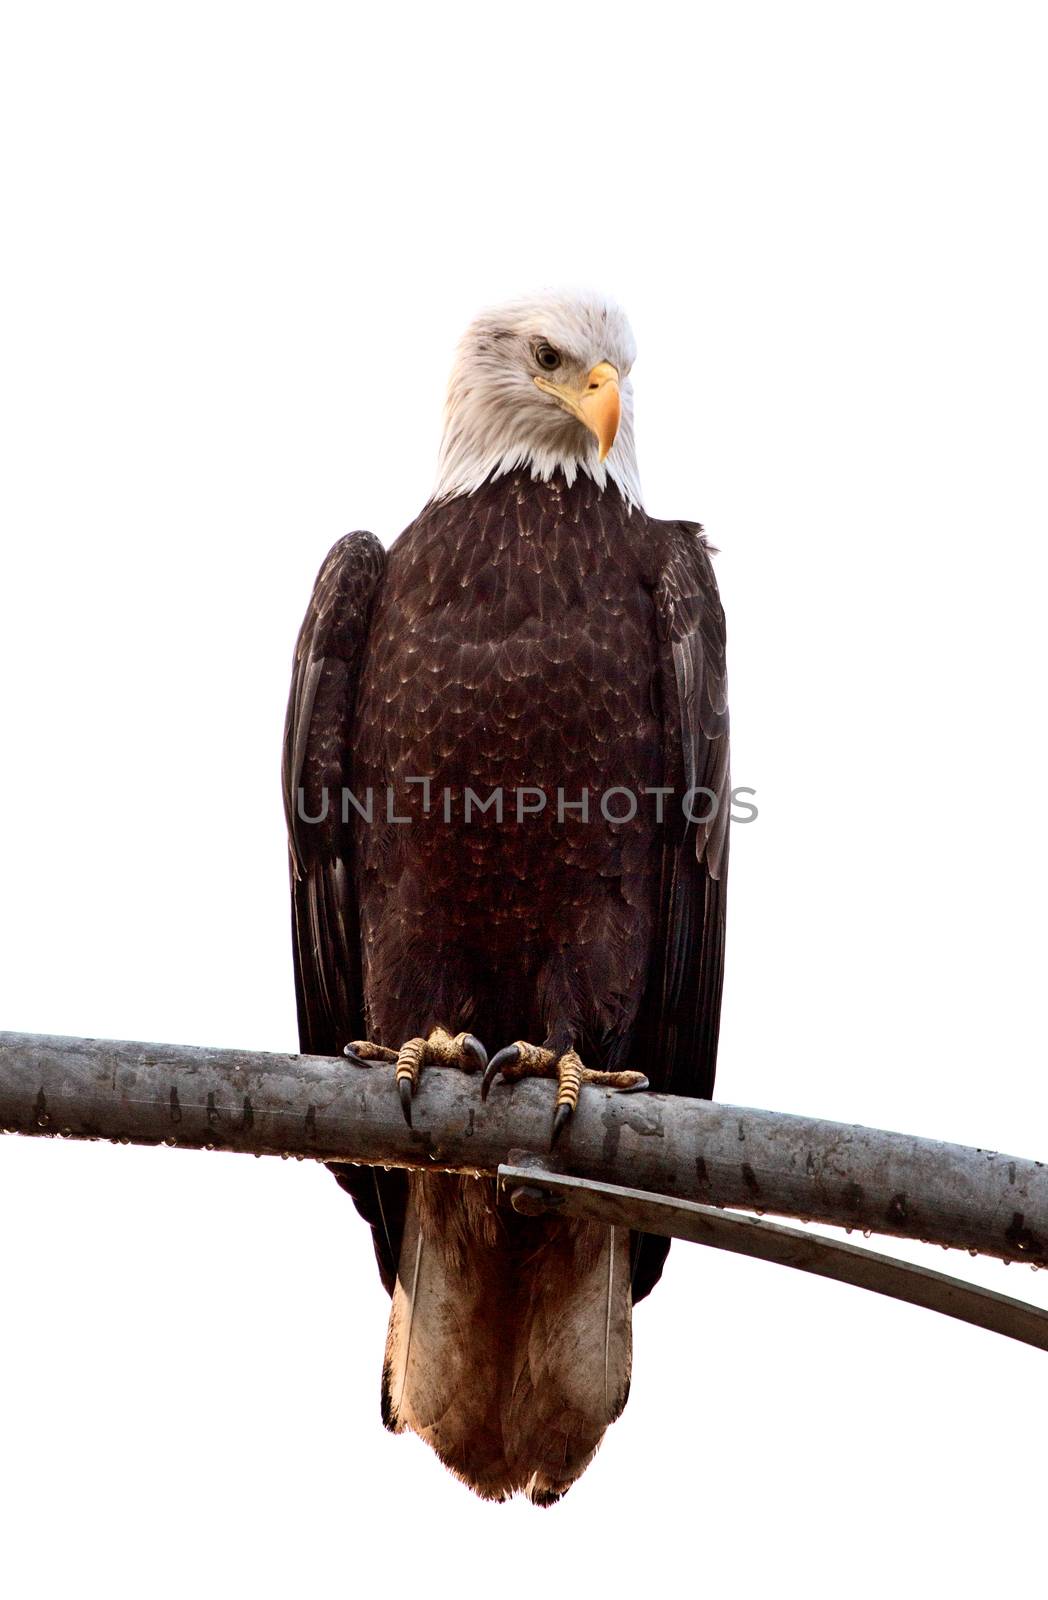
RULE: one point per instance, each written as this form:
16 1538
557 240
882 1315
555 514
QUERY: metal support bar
532 1189
696 1150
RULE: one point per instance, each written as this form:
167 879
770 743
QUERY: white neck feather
470 455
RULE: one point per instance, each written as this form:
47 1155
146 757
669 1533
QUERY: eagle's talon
561 1117
464 1051
472 1049
523 1060
508 1056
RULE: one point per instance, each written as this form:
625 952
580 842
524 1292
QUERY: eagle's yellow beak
596 403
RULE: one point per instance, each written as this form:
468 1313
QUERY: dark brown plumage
527 634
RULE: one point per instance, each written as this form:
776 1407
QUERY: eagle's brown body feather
528 636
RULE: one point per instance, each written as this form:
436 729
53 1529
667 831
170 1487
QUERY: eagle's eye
546 356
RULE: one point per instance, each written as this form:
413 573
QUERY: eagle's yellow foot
523 1060
463 1051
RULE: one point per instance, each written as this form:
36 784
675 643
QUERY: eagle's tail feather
509 1357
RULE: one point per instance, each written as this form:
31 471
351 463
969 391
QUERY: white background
240 244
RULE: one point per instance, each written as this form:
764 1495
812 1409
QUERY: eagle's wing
680 1017
318 744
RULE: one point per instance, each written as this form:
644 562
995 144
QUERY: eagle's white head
542 384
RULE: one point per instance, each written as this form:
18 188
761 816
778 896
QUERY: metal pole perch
657 1162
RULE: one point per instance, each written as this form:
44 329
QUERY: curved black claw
405 1099
507 1057
357 1061
475 1051
635 1088
561 1118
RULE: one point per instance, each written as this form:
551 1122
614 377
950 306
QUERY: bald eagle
533 633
